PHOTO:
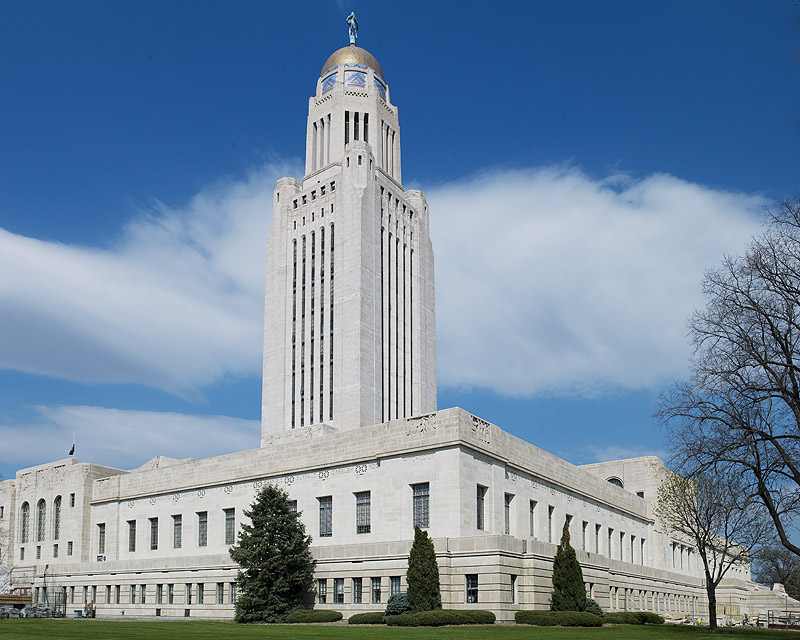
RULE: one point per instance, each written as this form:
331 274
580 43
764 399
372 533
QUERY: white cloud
122 439
176 305
549 281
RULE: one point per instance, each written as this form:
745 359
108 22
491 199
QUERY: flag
72 451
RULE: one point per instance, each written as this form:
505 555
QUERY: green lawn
108 629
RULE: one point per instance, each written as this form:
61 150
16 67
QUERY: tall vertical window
633 546
394 585
509 498
338 590
220 593
322 591
188 597
597 528
177 531
153 534
133 594
56 517
363 499
472 587
202 528
357 586
233 592
101 538
293 506
230 526
108 594
481 501
170 594
641 544
513 589
550 510
584 527
159 594
25 517
131 535
41 520
421 504
610 539
325 516
376 590
621 544
200 592
533 504
143 592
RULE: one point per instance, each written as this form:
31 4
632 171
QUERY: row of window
169 593
177 531
70 547
375 595
304 198
41 519
363 507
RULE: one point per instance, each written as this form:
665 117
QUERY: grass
194 630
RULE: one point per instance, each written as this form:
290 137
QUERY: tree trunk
711 592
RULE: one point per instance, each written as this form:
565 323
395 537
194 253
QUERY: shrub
648 617
397 605
558 618
423 574
569 592
372 617
593 607
622 617
441 617
312 615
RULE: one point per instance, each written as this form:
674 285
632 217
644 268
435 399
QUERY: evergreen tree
569 593
276 567
423 574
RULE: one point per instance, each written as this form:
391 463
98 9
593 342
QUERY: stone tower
349 323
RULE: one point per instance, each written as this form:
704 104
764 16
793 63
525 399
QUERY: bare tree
740 408
5 556
775 563
709 511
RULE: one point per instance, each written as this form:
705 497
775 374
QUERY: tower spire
352 23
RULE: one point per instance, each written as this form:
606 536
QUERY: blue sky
585 162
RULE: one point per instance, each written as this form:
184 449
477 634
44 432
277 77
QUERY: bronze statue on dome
353 24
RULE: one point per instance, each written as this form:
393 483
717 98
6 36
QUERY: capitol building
351 430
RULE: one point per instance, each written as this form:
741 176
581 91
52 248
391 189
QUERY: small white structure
350 430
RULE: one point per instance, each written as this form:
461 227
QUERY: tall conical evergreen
276 567
569 593
423 574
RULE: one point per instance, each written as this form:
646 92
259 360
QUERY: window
133 594
357 585
325 516
153 534
170 594
533 504
41 520
420 506
71 499
116 593
38 552
21 553
597 538
131 536
69 548
177 531
363 500
376 590
481 499
143 591
55 550
621 544
233 592
513 589
293 506
56 517
610 538
230 526
108 593
633 542
640 494
220 593
338 590
550 510
200 594
2 511
641 543
202 528
26 520
159 594
584 527
472 587
509 498
322 591
101 538
394 585
188 597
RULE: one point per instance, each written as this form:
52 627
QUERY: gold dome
352 54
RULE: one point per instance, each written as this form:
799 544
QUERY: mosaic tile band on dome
352 54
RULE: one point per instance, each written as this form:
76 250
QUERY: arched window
41 519
26 520
615 481
56 517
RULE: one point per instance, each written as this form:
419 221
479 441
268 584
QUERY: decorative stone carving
201 493
424 426
228 489
323 475
480 430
